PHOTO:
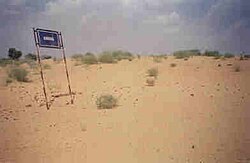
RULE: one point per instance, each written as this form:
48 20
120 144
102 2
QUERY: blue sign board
48 38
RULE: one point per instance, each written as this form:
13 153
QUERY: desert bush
18 73
173 65
44 57
152 72
186 53
4 62
228 55
77 57
30 57
106 102
46 66
89 59
106 57
157 59
237 68
211 53
150 82
120 55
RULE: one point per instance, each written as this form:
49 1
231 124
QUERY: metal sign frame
49 33
36 32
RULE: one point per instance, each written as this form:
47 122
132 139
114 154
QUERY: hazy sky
141 26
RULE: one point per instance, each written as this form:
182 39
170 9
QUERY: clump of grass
237 68
32 64
46 66
89 59
122 55
173 65
106 102
150 82
4 62
106 57
153 72
19 74
157 59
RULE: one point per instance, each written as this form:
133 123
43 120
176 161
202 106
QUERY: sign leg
67 74
42 77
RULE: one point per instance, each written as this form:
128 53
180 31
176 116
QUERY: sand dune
197 111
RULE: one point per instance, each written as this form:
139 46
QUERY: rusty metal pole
66 69
41 70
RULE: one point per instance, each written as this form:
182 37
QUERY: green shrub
121 55
89 59
18 74
152 72
106 57
106 102
30 57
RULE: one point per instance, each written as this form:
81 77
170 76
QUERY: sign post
66 68
50 39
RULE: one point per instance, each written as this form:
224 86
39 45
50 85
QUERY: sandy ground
197 112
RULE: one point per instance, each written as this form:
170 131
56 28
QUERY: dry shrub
18 73
157 59
106 57
89 59
173 65
152 72
106 102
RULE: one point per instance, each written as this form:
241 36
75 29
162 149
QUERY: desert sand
197 112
